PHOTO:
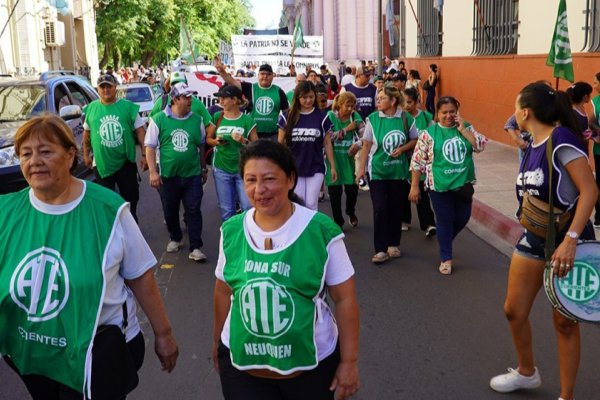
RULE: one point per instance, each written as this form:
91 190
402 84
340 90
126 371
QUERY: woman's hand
167 351
360 174
154 179
215 358
460 122
333 175
415 194
564 257
87 160
396 152
345 381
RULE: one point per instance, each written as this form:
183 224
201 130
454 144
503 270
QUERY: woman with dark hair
546 114
429 87
580 94
275 337
444 153
593 123
414 81
333 87
305 129
390 134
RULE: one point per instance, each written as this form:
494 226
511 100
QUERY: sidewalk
495 203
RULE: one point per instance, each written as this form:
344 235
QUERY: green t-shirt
197 107
179 140
452 164
227 156
266 107
389 134
344 164
112 133
52 282
596 106
274 296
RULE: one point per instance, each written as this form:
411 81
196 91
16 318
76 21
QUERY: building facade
36 37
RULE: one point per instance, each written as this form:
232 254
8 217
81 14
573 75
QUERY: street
423 335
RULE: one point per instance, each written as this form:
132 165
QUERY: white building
37 38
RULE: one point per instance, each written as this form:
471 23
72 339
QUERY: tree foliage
147 31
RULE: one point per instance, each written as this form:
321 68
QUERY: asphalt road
423 335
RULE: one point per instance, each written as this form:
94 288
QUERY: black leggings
43 388
313 384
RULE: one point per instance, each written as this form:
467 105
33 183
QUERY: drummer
545 112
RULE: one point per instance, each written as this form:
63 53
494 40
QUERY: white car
139 93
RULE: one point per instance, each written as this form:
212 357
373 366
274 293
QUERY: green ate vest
596 104
266 107
179 140
275 296
52 282
452 165
112 133
388 134
344 164
227 157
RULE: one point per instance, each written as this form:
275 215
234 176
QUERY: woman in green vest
348 127
71 277
274 335
389 135
444 152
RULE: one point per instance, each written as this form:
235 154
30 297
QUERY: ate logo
180 140
267 308
581 284
40 284
392 140
454 150
264 105
111 131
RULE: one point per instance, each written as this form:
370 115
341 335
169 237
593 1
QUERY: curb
497 229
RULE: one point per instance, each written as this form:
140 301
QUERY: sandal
445 268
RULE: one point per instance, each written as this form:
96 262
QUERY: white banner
208 85
275 44
279 63
225 52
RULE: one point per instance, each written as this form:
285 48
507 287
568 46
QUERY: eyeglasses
382 98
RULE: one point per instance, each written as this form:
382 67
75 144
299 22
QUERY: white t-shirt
128 256
337 270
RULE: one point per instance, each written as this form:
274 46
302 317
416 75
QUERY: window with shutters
429 29
592 26
495 27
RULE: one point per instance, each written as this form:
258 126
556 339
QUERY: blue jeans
188 191
230 190
451 216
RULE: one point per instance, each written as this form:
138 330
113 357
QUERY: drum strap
551 232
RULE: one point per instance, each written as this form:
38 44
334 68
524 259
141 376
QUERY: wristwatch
572 235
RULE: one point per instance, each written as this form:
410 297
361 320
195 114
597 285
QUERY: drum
577 295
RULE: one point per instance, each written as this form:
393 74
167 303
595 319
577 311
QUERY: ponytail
294 112
566 116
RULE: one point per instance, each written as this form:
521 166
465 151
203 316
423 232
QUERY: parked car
139 93
21 99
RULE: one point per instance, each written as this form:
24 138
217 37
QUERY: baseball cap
378 78
107 78
362 71
229 91
176 77
265 68
181 89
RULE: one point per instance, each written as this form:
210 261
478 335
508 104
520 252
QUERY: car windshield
136 94
19 103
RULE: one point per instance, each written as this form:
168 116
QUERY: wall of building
487 86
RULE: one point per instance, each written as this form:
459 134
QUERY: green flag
298 35
187 49
559 56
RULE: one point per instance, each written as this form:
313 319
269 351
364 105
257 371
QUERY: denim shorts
532 246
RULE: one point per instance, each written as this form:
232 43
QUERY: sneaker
365 187
173 246
380 257
431 231
513 380
597 225
394 251
197 255
405 226
353 220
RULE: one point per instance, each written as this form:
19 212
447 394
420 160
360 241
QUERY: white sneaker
513 380
173 246
405 226
197 255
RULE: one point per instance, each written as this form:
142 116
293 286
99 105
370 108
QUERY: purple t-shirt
535 166
307 140
365 98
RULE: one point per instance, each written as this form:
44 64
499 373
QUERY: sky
266 13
